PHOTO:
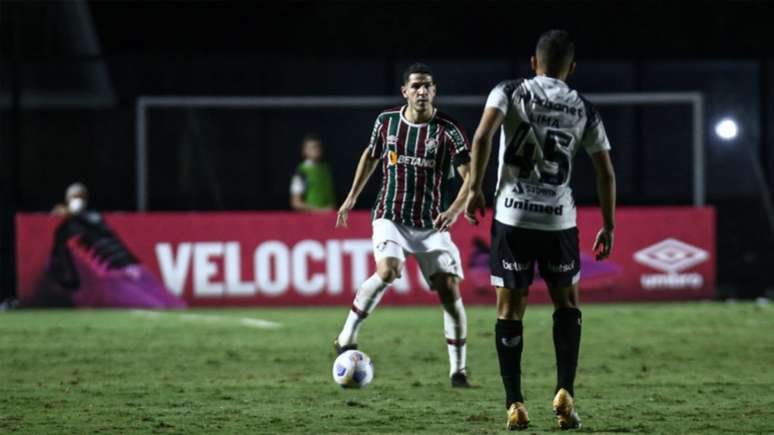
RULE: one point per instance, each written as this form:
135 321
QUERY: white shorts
434 250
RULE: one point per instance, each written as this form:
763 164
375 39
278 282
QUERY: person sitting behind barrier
90 266
76 198
311 188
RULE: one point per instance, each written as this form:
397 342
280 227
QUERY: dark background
71 73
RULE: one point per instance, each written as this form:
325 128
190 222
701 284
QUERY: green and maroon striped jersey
416 161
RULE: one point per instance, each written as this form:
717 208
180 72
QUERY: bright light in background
726 129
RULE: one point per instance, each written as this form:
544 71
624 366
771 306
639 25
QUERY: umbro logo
392 140
511 342
431 144
671 256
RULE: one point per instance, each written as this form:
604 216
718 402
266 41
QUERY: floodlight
726 129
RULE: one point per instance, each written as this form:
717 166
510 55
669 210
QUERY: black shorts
516 250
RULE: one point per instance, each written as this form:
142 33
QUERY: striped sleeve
458 144
376 144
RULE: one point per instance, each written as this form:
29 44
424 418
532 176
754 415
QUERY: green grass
677 368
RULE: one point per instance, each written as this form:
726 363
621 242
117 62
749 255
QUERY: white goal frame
694 99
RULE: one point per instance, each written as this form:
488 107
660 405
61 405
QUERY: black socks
567 335
509 344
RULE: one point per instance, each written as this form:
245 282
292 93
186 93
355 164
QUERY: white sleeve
595 139
498 99
297 185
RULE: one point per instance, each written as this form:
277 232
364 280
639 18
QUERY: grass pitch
677 368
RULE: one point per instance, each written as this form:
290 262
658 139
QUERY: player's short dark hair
555 50
416 68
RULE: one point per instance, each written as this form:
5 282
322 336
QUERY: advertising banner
282 258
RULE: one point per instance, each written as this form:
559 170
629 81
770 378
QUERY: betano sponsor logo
671 256
399 159
516 266
562 268
273 268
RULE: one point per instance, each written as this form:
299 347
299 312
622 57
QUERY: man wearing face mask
76 197
91 267
90 231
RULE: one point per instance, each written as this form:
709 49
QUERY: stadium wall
279 258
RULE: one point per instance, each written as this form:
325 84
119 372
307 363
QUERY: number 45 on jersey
547 161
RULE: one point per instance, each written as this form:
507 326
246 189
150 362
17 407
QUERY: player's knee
511 303
445 284
508 315
388 269
508 310
565 301
388 274
564 297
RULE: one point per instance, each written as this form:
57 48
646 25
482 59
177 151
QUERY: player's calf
455 326
368 296
567 327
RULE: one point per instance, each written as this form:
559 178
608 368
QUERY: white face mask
76 205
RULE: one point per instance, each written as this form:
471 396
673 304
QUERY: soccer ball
353 369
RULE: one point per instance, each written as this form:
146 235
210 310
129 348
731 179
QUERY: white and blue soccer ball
353 369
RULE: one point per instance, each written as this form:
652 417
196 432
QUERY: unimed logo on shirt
671 256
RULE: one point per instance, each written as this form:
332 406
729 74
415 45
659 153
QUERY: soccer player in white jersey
543 123
418 148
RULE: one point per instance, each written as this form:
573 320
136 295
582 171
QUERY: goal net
238 153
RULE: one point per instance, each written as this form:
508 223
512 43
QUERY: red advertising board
279 258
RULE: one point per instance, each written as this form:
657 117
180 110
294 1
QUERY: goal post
695 100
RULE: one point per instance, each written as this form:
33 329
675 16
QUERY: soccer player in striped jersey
543 123
418 148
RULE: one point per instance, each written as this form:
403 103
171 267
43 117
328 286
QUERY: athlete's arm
297 203
446 219
605 175
481 148
365 168
297 189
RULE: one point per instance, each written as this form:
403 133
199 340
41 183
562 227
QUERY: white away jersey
545 124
